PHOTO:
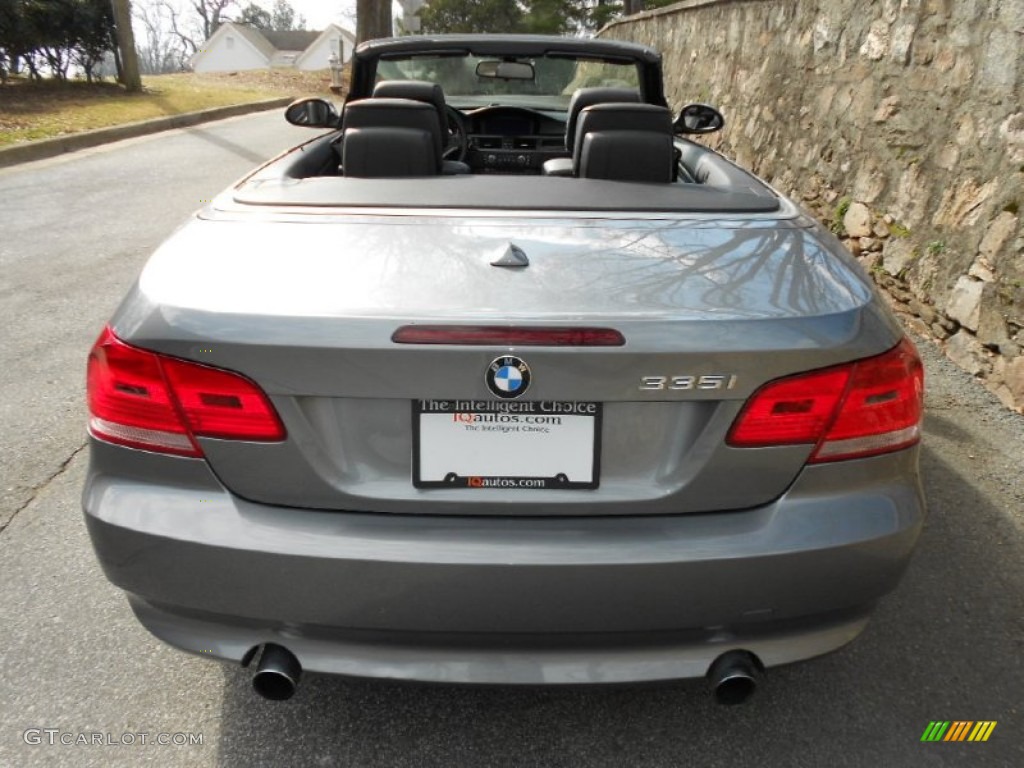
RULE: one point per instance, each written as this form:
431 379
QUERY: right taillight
142 399
859 409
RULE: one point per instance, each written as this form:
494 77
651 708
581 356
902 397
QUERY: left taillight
145 400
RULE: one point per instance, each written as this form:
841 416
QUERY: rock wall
898 122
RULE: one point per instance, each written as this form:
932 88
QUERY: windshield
553 80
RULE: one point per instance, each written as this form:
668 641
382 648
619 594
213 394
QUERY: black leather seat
390 137
624 142
428 93
581 99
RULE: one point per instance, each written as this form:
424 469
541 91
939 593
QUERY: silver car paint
308 309
515 600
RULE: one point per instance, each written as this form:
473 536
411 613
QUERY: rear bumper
504 600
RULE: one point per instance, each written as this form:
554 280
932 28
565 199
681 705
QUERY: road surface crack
42 486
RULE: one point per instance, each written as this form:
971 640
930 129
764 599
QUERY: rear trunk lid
710 309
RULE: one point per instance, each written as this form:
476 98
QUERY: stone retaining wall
900 123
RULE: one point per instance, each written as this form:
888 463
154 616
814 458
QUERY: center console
512 154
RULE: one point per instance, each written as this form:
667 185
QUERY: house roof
291 40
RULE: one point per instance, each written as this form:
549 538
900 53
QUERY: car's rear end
354 437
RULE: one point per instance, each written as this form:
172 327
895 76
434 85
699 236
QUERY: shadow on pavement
945 646
212 137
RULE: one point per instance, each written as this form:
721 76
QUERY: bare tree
211 14
162 51
185 35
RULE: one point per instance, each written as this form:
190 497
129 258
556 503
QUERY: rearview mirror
699 118
505 70
312 113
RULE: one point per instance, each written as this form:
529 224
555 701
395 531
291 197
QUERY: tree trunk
384 20
373 19
126 43
117 65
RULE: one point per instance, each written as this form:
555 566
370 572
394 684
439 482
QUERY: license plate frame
449 453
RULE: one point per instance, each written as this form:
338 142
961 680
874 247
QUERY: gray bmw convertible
504 378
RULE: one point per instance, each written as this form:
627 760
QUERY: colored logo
508 377
958 730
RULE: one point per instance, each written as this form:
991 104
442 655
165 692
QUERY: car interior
406 129
571 157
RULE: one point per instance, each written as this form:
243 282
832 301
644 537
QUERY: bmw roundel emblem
508 377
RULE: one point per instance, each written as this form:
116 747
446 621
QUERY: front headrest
417 90
585 97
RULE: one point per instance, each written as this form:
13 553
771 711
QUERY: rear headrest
585 97
387 152
395 113
627 156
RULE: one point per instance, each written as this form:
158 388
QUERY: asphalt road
948 645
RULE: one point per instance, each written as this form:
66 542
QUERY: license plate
493 444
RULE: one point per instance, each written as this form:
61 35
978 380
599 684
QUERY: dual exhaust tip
733 676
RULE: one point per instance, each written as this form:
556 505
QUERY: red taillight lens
859 409
504 336
790 411
882 409
145 400
130 402
220 404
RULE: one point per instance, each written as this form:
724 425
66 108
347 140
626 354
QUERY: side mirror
312 113
699 118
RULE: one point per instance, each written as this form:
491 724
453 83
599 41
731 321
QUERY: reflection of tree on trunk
440 268
751 269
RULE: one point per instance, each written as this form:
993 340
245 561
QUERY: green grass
898 230
46 109
836 225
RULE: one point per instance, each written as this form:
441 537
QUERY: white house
235 47
332 41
